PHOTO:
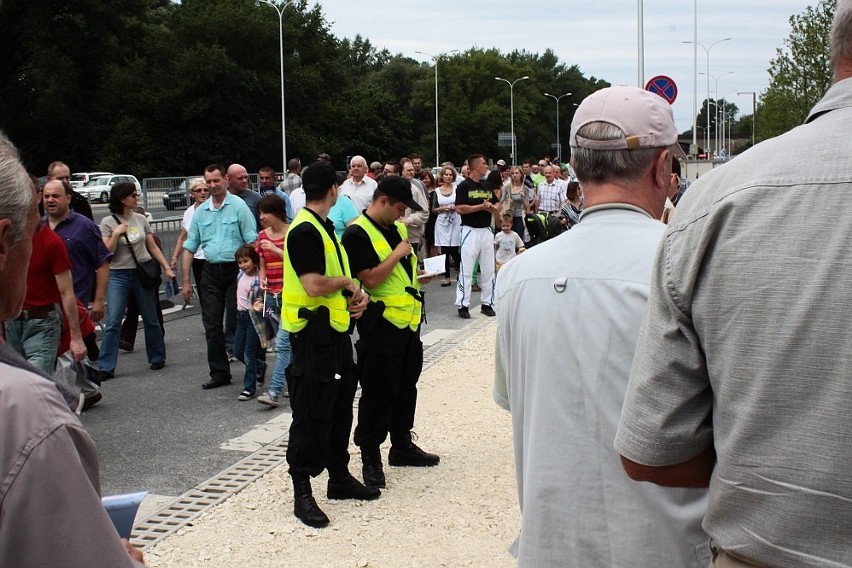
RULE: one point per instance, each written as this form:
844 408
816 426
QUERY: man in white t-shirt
359 187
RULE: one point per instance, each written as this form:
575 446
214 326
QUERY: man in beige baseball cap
591 284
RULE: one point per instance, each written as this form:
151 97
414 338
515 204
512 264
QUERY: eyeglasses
201 190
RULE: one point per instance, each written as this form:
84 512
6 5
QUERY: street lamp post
753 110
727 123
280 11
435 58
707 51
512 110
558 142
716 110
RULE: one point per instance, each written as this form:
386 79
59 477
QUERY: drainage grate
231 481
208 494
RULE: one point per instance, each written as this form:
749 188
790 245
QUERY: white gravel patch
464 512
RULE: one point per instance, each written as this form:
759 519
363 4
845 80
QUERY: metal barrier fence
168 229
172 193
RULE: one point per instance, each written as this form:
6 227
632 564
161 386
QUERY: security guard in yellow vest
318 302
390 353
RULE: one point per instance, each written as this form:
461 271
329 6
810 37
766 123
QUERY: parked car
178 197
97 189
81 179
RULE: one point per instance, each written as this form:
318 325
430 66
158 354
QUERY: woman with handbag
514 201
136 268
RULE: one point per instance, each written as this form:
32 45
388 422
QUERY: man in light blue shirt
220 226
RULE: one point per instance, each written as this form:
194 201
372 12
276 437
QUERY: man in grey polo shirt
582 295
741 378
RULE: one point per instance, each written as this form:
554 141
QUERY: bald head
58 170
238 178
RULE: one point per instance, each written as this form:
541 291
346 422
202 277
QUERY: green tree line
154 87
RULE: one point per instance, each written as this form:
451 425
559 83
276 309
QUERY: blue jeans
248 350
283 356
122 283
37 340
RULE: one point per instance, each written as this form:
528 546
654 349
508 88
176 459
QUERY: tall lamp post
558 143
280 10
753 110
727 124
435 58
512 110
707 51
716 110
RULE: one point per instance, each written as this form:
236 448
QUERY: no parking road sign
663 86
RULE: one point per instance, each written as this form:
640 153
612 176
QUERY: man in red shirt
35 332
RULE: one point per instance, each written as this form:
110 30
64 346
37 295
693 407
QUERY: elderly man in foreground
741 378
50 507
589 286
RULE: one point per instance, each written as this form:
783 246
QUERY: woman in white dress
448 222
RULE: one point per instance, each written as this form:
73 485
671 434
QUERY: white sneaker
268 399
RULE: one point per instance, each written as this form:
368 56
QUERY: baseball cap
645 119
376 166
399 188
319 176
501 164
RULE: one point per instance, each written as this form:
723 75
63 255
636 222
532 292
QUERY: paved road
159 431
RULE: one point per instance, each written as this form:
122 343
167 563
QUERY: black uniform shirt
305 248
362 255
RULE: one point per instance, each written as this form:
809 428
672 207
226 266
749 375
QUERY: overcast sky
600 36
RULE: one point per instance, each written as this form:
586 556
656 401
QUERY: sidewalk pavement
463 512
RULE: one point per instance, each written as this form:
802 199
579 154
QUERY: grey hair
841 34
600 166
16 190
360 159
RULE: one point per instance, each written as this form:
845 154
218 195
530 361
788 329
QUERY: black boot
341 485
372 470
306 508
404 452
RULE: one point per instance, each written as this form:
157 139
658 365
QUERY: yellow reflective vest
401 307
294 296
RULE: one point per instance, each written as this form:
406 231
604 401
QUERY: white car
80 179
97 189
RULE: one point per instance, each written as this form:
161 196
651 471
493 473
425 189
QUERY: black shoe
125 345
351 488
305 507
372 471
215 383
464 313
157 366
487 310
107 375
91 400
404 452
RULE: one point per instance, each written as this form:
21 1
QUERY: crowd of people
679 393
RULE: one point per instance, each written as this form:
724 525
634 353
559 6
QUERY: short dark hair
317 180
216 168
118 192
293 164
272 204
397 167
675 166
267 169
247 251
573 190
414 156
472 159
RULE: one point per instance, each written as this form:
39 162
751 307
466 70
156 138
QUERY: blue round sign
663 86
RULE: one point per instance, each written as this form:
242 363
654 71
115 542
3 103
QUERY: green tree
800 73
